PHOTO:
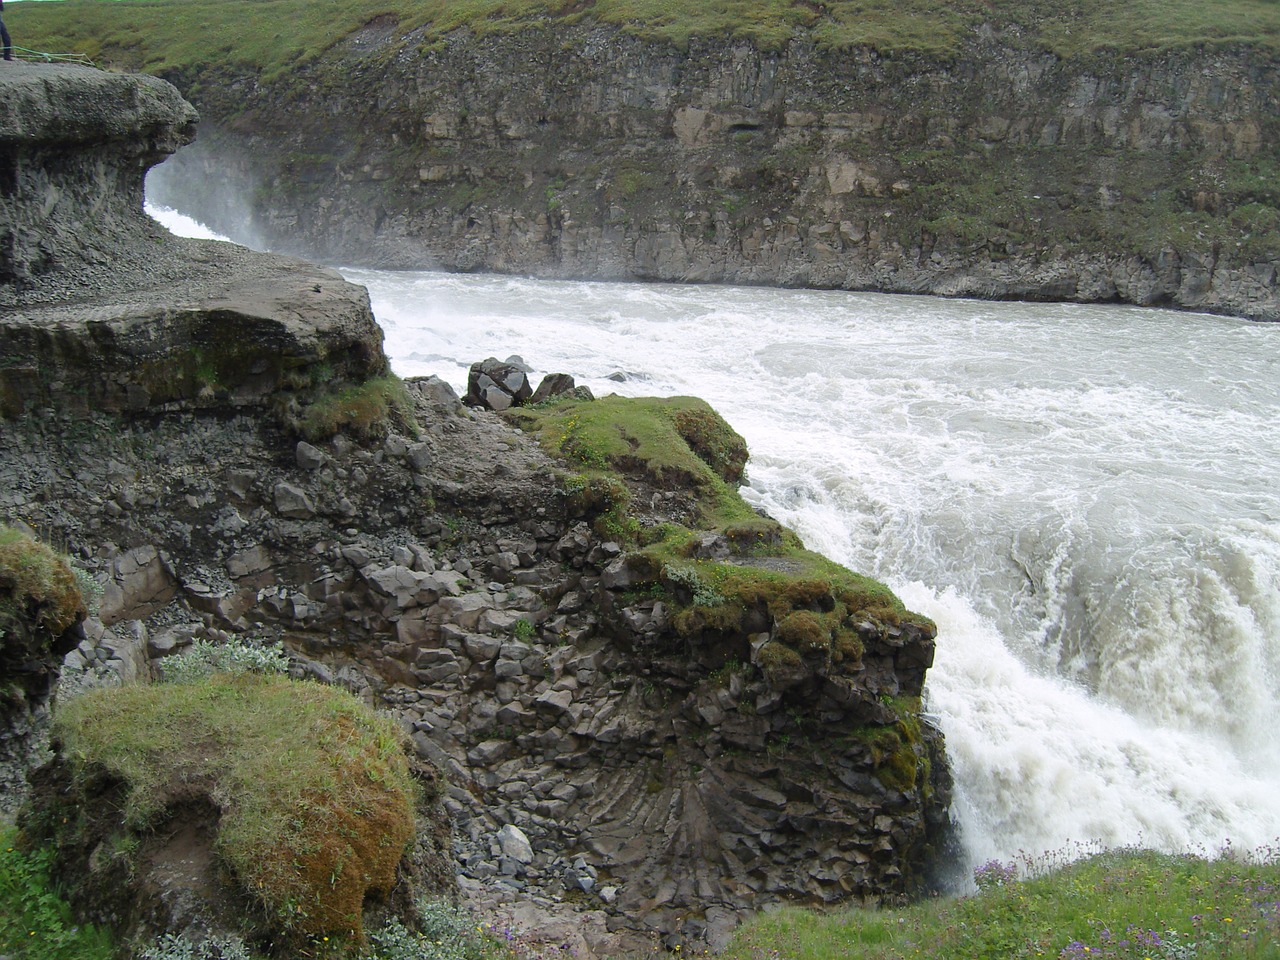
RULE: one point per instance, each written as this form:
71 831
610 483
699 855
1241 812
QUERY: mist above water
1084 498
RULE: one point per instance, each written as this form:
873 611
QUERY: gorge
653 709
999 170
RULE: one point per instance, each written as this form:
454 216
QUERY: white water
1084 498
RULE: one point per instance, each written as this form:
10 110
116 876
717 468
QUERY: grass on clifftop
721 562
270 36
1121 905
315 797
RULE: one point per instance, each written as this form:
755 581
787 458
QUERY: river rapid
1085 498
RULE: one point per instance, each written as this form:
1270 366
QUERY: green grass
270 36
37 586
1126 905
314 791
366 411
35 921
627 447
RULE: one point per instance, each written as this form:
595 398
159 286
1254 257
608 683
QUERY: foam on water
1083 498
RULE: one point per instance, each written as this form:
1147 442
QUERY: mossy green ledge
768 666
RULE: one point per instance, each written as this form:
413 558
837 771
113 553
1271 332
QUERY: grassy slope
269 35
1127 904
316 793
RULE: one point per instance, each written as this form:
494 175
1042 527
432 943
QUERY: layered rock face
109 311
75 143
615 774
579 152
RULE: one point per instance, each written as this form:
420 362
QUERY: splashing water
1083 498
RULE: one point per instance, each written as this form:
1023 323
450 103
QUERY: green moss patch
37 586
315 800
366 411
726 570
672 442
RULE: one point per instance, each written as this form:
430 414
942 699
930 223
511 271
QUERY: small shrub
445 932
523 630
182 947
35 922
203 659
704 595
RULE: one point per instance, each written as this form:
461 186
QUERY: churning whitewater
1084 498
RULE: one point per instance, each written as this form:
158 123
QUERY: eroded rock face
76 142
665 785
584 152
102 309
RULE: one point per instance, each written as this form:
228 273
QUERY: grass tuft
37 586
367 411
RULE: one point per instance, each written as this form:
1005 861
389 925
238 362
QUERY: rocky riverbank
631 754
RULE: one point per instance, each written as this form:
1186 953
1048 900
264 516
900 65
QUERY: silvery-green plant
182 947
203 659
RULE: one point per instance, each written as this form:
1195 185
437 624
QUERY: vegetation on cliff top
725 565
315 798
1122 905
37 586
271 35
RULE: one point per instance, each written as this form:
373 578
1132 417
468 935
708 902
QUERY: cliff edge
101 308
655 710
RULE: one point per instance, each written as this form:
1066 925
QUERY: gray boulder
496 385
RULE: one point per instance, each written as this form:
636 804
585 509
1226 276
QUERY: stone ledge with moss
772 738
102 309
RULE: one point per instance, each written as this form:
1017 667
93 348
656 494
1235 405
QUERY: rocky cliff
650 721
998 171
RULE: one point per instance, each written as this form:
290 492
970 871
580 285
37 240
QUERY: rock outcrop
625 747
106 310
1002 171
75 143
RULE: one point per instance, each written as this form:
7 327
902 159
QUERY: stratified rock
75 141
114 314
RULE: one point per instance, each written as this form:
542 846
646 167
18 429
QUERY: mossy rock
365 411
669 442
304 798
37 586
41 607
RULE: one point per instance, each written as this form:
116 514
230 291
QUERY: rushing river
1085 499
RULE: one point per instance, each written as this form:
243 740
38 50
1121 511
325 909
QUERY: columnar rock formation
597 741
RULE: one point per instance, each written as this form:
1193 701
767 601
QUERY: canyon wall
583 152
210 434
